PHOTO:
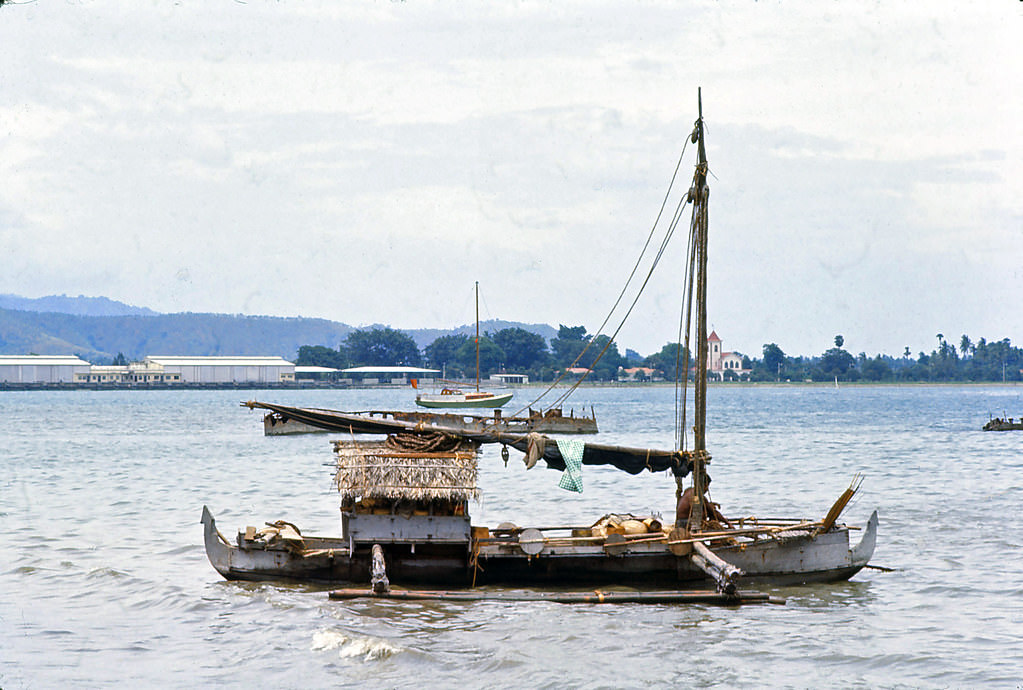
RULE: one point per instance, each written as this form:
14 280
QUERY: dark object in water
1002 424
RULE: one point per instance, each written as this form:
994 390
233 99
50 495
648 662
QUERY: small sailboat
456 397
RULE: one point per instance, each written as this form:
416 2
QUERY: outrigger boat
411 505
283 420
405 519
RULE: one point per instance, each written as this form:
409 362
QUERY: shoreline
256 385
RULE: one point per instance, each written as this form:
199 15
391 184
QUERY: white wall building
509 378
136 372
99 373
41 368
396 375
219 369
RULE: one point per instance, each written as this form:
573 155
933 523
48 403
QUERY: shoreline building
395 376
167 369
240 369
42 368
719 362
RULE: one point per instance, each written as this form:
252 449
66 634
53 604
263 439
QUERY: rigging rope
698 222
621 295
682 351
657 259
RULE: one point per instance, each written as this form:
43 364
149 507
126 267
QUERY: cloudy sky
368 161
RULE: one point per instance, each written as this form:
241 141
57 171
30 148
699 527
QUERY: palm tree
965 345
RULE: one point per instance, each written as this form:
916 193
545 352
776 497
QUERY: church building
719 362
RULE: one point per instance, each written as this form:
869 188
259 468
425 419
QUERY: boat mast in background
477 336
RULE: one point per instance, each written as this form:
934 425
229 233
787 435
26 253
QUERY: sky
368 162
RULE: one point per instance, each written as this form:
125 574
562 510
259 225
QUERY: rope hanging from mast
673 224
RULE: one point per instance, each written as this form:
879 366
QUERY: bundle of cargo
626 524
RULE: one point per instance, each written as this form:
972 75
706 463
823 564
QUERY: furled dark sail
631 460
332 420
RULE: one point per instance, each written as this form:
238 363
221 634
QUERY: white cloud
315 158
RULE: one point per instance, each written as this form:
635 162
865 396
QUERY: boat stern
861 554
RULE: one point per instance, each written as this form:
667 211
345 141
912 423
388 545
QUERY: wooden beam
725 574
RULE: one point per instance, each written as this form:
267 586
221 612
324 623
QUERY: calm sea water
104 581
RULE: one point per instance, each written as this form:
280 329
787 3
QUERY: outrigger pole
591 597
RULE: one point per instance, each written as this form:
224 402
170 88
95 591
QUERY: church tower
713 352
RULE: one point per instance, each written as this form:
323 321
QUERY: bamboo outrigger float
405 519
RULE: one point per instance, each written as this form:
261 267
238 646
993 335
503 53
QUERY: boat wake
369 648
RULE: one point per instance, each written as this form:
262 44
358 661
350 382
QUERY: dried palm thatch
379 471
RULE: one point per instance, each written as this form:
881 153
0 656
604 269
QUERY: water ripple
105 581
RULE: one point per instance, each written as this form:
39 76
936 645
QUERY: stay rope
639 260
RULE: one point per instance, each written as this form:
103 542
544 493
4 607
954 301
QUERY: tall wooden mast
700 194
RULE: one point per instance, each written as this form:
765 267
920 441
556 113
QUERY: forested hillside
71 328
99 339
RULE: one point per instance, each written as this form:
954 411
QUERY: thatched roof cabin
379 470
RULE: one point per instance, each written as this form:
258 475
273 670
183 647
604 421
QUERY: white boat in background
455 397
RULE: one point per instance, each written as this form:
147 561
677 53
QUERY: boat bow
218 549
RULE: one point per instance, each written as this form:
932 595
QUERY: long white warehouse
41 368
224 369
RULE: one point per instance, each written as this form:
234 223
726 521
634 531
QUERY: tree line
520 351
971 362
507 350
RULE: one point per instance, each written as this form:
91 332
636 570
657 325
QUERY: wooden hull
463 400
330 560
797 559
782 560
283 420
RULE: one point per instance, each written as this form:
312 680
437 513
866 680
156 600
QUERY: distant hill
425 336
65 327
100 338
81 305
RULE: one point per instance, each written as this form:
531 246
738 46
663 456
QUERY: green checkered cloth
572 453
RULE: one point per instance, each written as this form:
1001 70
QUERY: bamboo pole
594 597
654 538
